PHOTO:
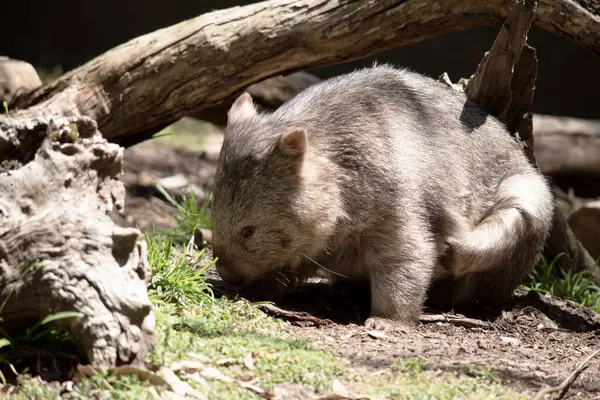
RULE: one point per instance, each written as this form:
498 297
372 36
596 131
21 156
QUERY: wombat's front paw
389 325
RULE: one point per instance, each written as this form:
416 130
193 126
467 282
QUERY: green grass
45 335
549 277
178 277
190 215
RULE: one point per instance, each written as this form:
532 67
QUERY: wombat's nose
226 271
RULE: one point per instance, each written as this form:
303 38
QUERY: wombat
384 177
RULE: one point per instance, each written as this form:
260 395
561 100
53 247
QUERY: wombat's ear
243 106
294 142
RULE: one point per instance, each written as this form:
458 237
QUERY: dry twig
564 385
455 320
295 316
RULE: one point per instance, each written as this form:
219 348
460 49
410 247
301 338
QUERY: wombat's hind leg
521 213
491 260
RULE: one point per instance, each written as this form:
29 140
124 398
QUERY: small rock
510 340
377 334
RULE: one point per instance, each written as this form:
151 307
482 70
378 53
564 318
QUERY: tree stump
60 249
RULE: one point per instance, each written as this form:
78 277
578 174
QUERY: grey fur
403 182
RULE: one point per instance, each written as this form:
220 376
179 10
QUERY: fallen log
584 220
59 248
567 146
137 88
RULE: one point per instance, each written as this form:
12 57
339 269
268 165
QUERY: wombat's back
401 126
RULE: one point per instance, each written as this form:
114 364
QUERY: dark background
68 33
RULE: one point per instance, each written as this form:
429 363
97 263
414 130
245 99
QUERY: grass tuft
191 215
45 335
549 277
178 275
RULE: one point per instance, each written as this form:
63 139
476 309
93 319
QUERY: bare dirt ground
532 341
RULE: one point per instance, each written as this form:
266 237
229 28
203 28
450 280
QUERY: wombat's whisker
280 281
290 271
326 269
282 274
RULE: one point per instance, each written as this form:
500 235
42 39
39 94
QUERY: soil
533 341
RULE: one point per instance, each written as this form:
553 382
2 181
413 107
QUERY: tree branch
155 79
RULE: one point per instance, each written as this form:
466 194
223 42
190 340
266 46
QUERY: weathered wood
60 249
505 78
136 88
567 146
16 78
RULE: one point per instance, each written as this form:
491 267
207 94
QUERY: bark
137 88
59 248
567 146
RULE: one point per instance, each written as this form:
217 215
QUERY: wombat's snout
226 270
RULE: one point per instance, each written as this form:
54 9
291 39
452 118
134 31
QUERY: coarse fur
381 176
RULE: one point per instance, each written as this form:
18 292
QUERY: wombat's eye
248 231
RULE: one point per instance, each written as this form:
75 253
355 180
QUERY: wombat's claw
386 324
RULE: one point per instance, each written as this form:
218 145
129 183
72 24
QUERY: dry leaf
187 365
129 370
510 340
86 370
249 361
256 389
340 392
154 393
67 386
215 374
177 385
377 334
545 324
339 389
199 357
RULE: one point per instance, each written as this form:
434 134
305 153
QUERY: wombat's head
272 207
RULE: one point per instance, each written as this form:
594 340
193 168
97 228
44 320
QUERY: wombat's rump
382 176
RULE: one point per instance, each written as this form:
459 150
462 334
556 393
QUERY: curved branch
155 79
